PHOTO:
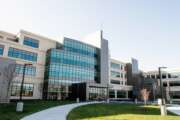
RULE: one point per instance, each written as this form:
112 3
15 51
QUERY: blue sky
148 30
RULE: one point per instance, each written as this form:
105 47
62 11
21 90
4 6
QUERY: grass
118 112
8 111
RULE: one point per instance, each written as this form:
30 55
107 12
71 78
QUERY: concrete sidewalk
174 109
55 113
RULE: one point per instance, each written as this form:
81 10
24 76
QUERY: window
174 83
1 49
163 76
121 82
30 70
115 82
27 89
31 42
96 93
148 76
121 94
22 54
111 93
157 76
115 66
153 76
78 47
175 75
13 39
115 74
1 37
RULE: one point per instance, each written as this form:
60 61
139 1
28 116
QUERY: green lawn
7 111
118 112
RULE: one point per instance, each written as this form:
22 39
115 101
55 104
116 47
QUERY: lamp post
163 104
154 90
77 97
169 93
20 104
107 93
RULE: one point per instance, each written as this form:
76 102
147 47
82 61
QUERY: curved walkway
174 109
55 113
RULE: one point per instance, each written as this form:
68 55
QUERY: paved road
174 109
55 113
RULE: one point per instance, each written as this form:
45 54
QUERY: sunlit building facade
61 69
73 62
171 83
118 81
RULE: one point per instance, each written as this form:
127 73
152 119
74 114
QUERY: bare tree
9 73
145 95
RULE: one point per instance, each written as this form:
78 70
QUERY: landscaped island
8 111
118 112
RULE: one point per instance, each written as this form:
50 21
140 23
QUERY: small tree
145 95
9 73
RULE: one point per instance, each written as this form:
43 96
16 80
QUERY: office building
61 69
171 83
134 77
118 88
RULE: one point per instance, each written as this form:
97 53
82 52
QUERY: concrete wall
104 61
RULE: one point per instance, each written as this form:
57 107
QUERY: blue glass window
1 49
70 58
78 47
22 54
31 42
30 70
71 63
115 66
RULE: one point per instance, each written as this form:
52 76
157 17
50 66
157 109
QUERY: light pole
169 93
163 104
107 100
154 90
77 97
20 104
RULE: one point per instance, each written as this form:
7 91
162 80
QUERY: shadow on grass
102 110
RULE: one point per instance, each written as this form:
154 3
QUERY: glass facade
30 70
115 81
22 54
115 74
175 94
111 93
1 49
31 42
97 93
115 66
121 94
27 89
71 63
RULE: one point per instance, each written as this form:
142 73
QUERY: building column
6 49
127 94
87 91
168 91
166 76
115 94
